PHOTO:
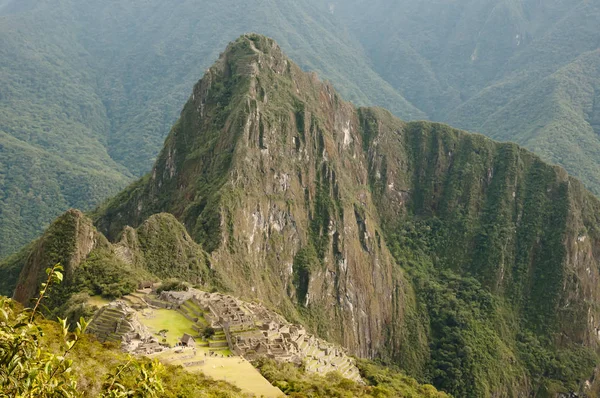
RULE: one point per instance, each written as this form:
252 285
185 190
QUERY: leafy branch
29 370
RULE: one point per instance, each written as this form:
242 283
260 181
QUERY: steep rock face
470 263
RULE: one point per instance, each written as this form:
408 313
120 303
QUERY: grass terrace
176 324
234 370
98 301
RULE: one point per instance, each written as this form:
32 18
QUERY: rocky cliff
470 263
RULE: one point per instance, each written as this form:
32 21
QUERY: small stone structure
145 285
188 341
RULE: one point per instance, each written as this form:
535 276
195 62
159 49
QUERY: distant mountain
488 66
558 118
471 264
89 90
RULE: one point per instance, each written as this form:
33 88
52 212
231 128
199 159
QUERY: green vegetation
477 344
322 213
102 274
172 284
381 382
159 248
484 249
208 332
42 359
305 262
560 123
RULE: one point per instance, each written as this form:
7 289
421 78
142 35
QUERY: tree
208 332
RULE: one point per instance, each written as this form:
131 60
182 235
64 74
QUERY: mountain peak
251 52
257 43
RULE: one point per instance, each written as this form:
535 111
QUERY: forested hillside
517 70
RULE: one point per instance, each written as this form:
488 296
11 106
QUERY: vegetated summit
469 263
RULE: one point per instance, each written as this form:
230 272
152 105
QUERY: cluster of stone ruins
117 322
250 330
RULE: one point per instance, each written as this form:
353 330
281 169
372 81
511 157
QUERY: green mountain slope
469 263
485 66
36 185
100 84
52 133
563 126
557 118
159 249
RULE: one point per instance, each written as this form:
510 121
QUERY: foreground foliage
43 359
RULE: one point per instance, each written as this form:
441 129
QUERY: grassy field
235 370
173 321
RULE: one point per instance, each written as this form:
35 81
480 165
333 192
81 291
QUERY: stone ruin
252 331
248 329
118 322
